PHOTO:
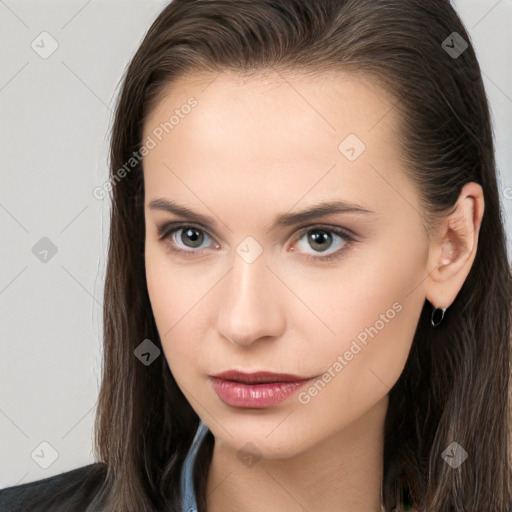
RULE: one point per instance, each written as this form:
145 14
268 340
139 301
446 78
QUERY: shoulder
72 490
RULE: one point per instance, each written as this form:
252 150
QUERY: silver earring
435 324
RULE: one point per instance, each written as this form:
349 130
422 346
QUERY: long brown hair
455 386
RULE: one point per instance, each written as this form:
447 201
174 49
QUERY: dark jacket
71 491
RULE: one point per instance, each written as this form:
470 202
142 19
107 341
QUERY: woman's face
251 281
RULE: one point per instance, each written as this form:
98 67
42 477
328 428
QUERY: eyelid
168 227
165 228
328 227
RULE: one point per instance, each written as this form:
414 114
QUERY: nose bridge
250 306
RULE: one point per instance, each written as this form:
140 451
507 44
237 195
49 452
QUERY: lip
258 377
257 389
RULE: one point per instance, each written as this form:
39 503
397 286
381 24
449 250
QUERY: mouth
257 389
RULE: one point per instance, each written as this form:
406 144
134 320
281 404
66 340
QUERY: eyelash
166 231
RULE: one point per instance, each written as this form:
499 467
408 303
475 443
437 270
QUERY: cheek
178 302
168 296
373 305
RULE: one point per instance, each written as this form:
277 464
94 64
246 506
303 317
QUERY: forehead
320 97
273 108
274 131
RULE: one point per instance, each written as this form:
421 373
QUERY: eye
326 243
188 240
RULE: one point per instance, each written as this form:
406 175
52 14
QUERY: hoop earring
435 324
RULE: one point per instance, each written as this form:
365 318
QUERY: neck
342 473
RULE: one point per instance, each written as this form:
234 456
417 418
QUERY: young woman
307 303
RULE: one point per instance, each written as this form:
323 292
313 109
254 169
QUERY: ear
453 248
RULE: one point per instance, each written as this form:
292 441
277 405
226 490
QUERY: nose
250 304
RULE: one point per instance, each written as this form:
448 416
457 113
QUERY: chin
267 435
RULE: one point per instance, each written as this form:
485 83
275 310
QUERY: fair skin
250 150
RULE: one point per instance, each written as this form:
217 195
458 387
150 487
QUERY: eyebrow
282 220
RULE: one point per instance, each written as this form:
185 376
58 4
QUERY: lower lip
238 394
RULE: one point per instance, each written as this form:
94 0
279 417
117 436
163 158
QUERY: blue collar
188 498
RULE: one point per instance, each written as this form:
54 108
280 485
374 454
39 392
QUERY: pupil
193 236
319 239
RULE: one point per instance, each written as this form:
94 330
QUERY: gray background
56 113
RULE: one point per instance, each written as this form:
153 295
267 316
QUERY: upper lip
258 377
